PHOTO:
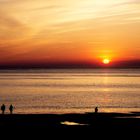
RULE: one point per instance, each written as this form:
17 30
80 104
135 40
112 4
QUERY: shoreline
65 126
85 120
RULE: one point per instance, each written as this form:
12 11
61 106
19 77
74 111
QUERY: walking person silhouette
96 109
11 108
3 107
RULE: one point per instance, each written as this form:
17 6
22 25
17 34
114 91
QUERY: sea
58 91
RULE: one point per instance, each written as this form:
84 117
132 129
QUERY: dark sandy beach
90 123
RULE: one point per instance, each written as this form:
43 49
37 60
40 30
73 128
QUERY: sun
106 61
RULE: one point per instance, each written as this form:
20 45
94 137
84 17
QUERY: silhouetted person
11 108
3 108
96 109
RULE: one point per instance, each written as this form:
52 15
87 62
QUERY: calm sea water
71 91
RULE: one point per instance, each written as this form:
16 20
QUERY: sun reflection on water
71 123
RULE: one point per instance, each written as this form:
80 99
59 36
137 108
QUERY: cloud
128 2
49 7
36 29
9 21
11 28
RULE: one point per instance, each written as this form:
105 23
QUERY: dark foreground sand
88 123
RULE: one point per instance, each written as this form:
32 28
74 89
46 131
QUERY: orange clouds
72 30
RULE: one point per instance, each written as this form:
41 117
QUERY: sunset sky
36 32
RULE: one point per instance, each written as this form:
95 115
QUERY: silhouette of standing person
96 109
11 108
3 108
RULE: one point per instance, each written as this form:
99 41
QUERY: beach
58 102
87 122
69 68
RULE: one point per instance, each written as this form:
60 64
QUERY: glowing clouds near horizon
38 31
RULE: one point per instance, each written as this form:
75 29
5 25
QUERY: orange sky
46 31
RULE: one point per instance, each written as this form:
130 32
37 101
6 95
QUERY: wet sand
88 123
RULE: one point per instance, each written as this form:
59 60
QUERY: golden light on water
71 123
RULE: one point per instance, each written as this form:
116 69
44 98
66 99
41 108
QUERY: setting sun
106 61
69 33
